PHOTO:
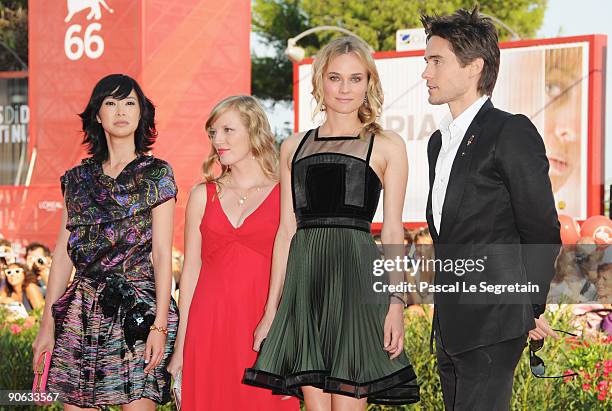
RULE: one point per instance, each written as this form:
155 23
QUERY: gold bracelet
163 330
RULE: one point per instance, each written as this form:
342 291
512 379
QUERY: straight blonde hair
370 110
261 139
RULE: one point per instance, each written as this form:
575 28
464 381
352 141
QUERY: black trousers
479 379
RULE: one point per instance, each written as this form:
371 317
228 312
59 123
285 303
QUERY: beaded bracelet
163 330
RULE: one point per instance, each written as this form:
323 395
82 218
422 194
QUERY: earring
252 157
323 108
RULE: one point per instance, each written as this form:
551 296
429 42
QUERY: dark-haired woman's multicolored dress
102 320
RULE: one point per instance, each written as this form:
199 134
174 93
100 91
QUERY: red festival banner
186 55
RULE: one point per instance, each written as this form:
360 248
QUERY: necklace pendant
241 201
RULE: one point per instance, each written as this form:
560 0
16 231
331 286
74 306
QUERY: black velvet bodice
332 182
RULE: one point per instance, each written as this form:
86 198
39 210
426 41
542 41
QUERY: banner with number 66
73 43
185 54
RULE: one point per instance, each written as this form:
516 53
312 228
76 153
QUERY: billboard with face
554 82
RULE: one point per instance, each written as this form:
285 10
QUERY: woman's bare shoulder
290 143
197 196
389 141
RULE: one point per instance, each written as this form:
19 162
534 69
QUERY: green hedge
529 393
592 359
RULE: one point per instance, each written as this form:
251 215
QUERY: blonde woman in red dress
230 226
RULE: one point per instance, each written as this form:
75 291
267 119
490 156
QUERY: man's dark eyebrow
435 56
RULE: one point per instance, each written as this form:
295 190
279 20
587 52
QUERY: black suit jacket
498 208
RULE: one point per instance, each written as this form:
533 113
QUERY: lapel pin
462 153
470 139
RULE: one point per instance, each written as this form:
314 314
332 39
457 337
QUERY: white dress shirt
453 132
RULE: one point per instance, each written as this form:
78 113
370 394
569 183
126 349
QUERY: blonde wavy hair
371 109
261 139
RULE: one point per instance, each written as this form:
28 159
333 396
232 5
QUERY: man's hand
542 330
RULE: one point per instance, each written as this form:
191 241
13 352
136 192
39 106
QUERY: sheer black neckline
332 138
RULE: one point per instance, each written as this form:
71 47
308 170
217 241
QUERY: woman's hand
261 332
58 279
45 341
394 330
175 366
154 349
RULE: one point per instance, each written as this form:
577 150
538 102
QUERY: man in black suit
490 200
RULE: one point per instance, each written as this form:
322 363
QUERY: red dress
228 303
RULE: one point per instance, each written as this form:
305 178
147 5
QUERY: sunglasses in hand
538 368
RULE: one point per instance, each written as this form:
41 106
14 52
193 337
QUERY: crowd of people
583 273
584 278
24 278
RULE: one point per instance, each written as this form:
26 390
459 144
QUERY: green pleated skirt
328 332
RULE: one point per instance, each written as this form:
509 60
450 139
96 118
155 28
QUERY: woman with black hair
22 287
114 327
